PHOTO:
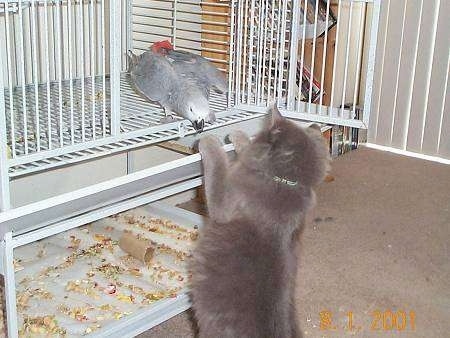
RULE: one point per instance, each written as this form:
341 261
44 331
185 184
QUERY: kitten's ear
273 121
275 113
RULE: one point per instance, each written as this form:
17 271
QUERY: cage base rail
339 116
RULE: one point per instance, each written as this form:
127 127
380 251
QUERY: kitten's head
287 151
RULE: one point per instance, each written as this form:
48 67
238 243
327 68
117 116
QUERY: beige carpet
378 241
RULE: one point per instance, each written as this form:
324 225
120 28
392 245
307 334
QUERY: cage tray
81 282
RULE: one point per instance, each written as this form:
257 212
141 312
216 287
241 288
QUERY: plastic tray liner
80 280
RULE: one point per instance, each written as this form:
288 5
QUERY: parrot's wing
216 78
199 69
188 67
154 77
181 56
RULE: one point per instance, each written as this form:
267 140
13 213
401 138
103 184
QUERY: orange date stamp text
380 321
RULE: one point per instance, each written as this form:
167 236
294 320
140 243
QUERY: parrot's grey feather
198 69
144 76
182 56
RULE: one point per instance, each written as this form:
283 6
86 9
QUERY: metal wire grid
66 124
136 114
55 61
347 51
262 39
316 57
256 41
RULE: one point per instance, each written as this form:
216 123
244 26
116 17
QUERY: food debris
125 298
101 238
41 253
42 325
92 328
118 315
160 226
97 97
74 243
77 313
85 287
110 270
106 307
135 272
41 294
136 289
154 296
26 280
110 289
17 265
22 300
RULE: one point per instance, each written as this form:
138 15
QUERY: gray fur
245 264
155 78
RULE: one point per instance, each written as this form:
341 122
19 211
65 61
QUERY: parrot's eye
191 109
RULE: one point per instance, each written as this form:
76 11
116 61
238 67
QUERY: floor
377 244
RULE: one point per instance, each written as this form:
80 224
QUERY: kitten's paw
209 143
239 139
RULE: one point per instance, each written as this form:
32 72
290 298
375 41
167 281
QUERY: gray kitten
245 264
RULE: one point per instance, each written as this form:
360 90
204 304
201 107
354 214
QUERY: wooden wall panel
211 31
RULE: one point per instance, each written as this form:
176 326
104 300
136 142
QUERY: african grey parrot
179 81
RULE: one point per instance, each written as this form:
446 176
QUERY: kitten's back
239 288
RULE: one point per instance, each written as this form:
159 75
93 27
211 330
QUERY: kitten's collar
283 180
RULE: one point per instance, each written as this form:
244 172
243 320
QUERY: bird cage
66 96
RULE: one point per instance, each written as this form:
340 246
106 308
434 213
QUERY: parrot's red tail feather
162 47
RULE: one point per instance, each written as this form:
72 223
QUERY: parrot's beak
199 125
